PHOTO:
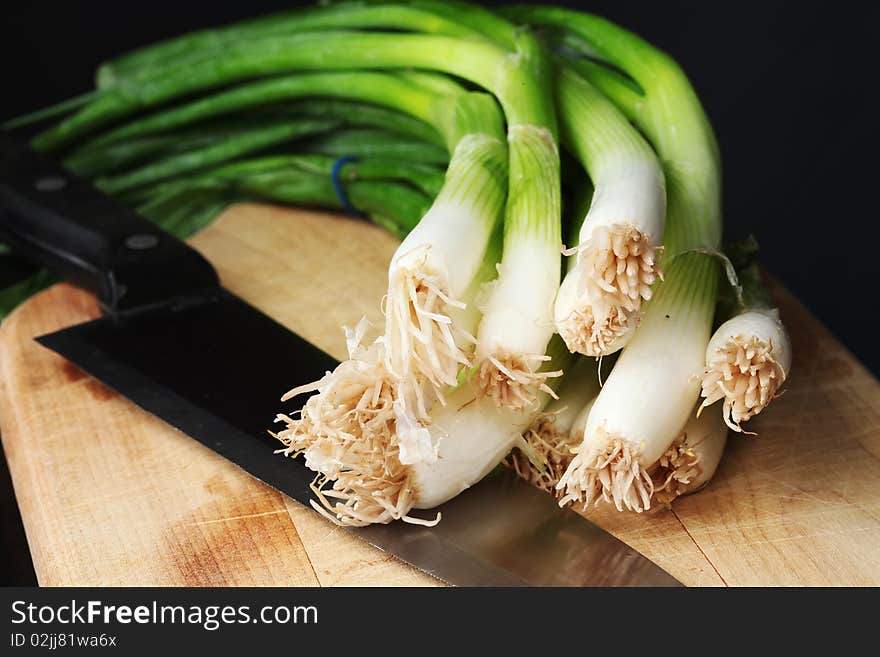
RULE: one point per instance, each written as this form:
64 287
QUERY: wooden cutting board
110 495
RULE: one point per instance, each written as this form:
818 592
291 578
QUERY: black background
789 87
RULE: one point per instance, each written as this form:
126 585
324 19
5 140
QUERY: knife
178 345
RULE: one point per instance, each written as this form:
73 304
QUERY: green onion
362 477
749 355
615 262
437 263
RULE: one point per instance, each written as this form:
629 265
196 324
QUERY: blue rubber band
337 184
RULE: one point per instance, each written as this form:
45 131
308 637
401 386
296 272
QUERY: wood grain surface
110 495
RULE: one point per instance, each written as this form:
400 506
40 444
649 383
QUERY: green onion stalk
614 264
631 425
749 355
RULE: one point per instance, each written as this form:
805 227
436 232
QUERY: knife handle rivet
141 241
50 184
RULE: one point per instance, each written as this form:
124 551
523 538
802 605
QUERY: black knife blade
177 344
193 363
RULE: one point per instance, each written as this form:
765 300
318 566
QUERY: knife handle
63 223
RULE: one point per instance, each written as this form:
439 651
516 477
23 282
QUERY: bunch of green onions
444 123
